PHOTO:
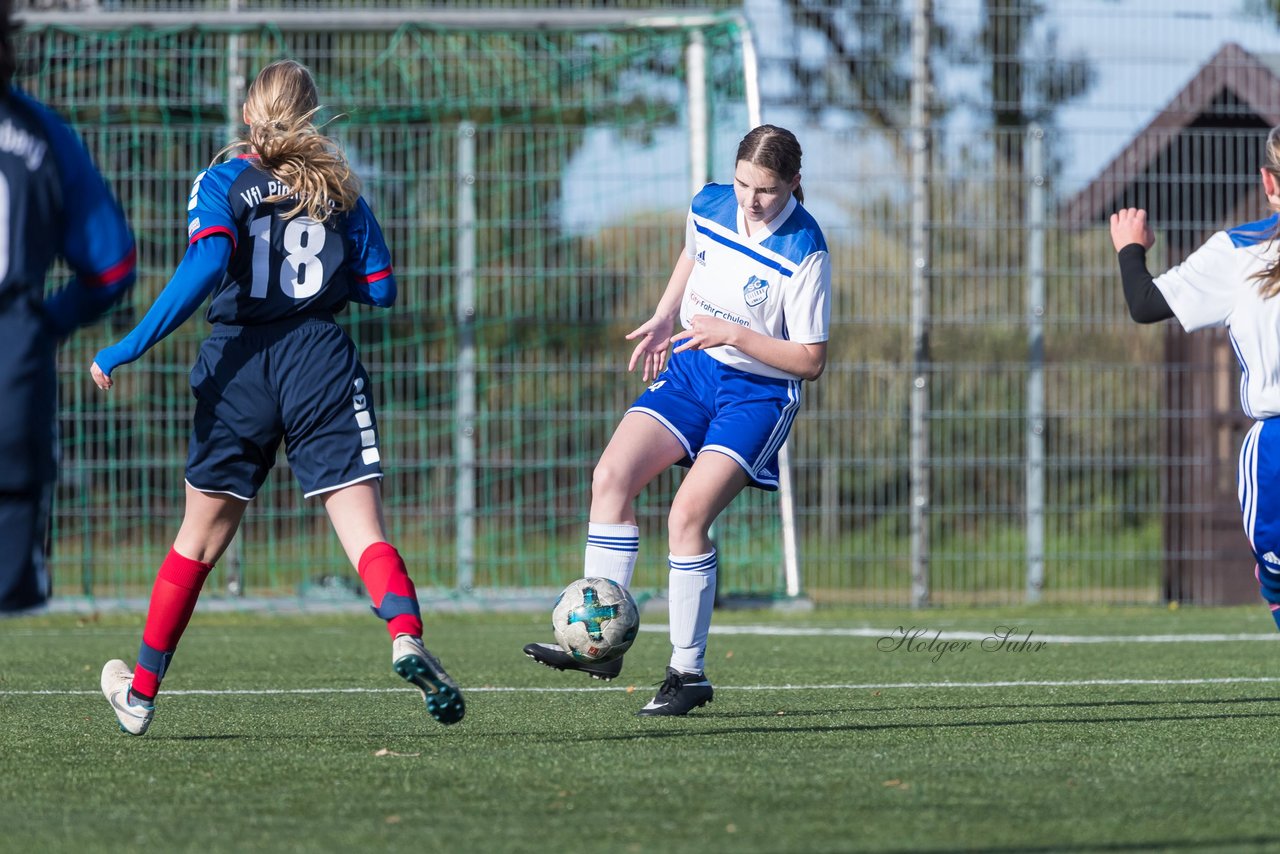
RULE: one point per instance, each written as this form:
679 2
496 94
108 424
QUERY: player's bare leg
641 448
714 480
356 514
208 524
712 483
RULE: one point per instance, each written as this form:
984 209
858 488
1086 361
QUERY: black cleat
553 656
680 694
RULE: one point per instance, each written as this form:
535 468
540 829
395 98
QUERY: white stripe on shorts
1248 479
218 491
338 486
754 474
783 427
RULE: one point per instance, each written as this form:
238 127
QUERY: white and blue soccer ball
595 619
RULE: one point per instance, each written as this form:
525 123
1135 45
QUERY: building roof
1235 89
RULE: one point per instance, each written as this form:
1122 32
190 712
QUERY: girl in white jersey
751 290
1230 281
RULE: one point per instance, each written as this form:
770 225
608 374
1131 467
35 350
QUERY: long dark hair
773 148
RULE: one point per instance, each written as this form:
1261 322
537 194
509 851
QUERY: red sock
173 599
394 598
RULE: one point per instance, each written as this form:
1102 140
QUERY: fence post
232 562
464 436
921 84
696 83
1036 199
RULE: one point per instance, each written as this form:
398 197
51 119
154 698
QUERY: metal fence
991 427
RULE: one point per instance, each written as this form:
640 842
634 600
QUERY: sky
1142 53
1143 57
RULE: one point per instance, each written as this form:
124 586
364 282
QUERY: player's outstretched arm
1132 236
201 269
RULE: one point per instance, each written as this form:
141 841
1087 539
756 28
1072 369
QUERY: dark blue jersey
259 266
281 268
54 202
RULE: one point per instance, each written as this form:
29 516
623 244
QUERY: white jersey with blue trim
1215 286
775 281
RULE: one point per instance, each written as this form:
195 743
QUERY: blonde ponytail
279 110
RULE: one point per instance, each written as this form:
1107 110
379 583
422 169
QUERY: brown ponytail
1269 278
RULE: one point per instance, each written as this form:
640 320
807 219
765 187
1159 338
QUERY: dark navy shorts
299 380
28 395
710 406
28 446
24 530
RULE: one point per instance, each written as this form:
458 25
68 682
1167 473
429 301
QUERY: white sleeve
806 306
1203 290
690 236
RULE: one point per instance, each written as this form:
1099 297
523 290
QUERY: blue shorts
1259 467
710 406
299 380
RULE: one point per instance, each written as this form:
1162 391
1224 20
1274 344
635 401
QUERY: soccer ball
595 619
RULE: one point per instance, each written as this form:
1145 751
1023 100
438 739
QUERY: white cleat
134 717
420 668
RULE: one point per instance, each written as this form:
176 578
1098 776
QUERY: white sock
691 597
611 552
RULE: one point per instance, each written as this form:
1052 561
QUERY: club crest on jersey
755 291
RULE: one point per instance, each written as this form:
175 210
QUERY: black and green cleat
553 656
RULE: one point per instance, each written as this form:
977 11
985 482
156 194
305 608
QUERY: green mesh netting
581 180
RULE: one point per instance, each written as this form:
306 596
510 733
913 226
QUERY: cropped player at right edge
1231 282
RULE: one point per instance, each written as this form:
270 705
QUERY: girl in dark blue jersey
53 202
281 239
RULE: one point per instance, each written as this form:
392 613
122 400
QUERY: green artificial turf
874 748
